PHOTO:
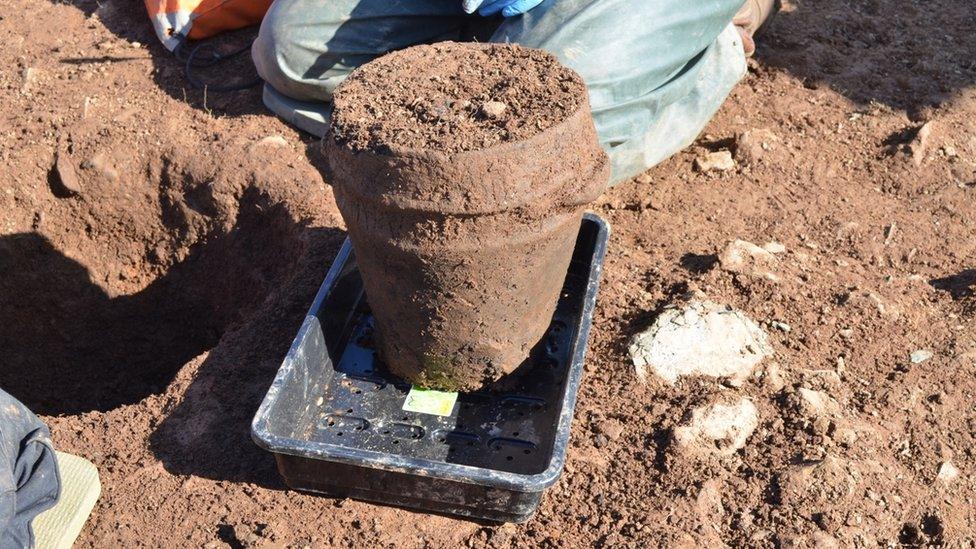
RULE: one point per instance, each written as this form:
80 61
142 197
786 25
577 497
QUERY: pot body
463 255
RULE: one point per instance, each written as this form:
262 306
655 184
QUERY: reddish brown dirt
454 97
186 227
463 252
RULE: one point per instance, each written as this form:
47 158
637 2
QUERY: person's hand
508 8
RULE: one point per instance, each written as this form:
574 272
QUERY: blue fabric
657 70
508 8
29 482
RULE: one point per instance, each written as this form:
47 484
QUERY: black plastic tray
334 420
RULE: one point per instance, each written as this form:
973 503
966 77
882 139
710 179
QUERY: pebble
718 428
920 356
67 175
774 247
947 472
715 161
493 109
781 326
700 338
751 145
270 141
817 403
30 75
746 258
611 429
920 144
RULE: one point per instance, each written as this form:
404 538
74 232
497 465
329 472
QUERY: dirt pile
463 224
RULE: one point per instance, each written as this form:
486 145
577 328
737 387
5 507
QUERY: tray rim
277 444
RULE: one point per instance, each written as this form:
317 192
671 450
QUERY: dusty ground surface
150 290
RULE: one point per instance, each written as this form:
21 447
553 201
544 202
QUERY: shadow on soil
68 347
207 432
902 54
959 286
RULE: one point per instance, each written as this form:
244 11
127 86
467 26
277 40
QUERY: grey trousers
29 481
657 70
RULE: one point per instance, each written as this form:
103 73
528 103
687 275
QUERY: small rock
817 403
611 429
947 472
644 178
746 258
920 356
781 326
773 377
949 151
493 109
715 161
718 428
774 247
708 503
273 141
701 338
30 75
600 440
67 176
920 144
751 145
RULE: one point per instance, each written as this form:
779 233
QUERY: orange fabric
197 19
226 15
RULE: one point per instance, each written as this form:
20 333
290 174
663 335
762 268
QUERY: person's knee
284 59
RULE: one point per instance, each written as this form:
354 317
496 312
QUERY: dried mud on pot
462 172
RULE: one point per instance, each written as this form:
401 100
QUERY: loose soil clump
462 171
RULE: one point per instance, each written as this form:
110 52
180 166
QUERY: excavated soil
145 312
453 97
463 252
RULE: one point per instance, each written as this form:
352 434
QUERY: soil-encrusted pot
463 250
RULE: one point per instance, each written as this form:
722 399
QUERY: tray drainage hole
396 442
331 422
349 411
509 458
339 434
386 432
358 391
515 434
526 452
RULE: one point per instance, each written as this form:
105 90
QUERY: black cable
191 61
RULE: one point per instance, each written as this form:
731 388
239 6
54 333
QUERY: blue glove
508 8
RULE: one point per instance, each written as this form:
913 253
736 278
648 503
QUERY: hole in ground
70 347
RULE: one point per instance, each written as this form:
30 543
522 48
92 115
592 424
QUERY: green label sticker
426 401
